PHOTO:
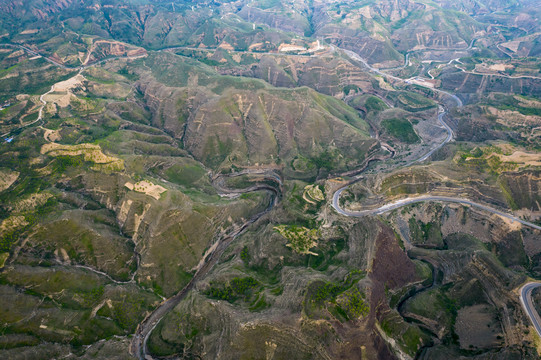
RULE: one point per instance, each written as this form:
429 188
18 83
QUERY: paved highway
145 328
62 66
526 290
35 53
408 201
449 137
527 304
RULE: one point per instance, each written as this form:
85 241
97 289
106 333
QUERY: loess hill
177 161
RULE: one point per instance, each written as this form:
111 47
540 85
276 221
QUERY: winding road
145 328
449 137
40 114
73 68
526 290
139 341
407 201
35 53
56 63
527 304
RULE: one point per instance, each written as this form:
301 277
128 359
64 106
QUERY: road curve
449 137
71 68
527 304
526 290
62 66
138 347
408 201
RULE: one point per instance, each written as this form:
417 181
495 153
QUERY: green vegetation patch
497 159
343 300
433 304
89 244
186 175
372 103
237 288
409 337
319 292
368 103
400 129
522 104
351 89
126 306
313 194
3 257
301 239
91 153
411 101
354 303
55 304
427 234
23 217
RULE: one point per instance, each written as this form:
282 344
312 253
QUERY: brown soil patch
147 188
90 152
226 46
15 54
29 31
477 327
113 48
12 223
290 47
7 178
396 273
523 158
51 135
255 46
31 202
61 94
528 102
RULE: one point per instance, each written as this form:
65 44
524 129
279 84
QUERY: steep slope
222 123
